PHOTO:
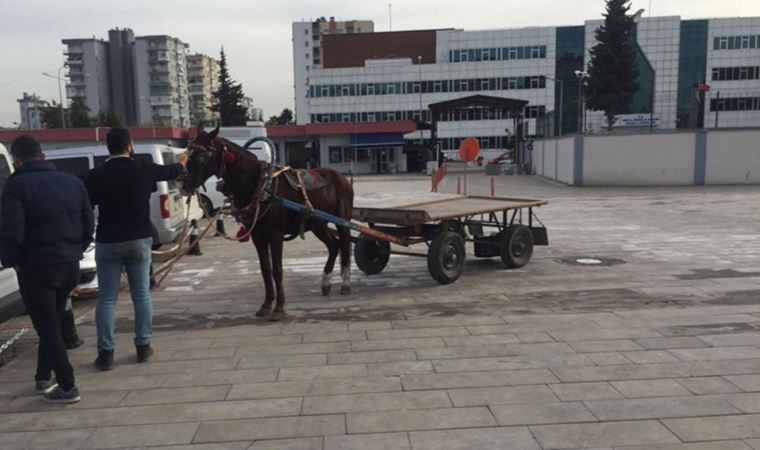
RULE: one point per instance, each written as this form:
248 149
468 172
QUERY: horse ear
213 133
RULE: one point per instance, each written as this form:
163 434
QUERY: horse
250 184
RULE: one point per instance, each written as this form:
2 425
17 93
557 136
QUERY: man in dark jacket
46 224
121 189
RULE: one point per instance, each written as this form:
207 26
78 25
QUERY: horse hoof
277 316
263 312
326 290
345 290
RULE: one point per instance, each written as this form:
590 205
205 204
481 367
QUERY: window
336 155
513 53
79 166
535 52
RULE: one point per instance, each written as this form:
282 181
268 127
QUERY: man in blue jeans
121 189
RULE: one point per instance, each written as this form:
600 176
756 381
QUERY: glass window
724 43
535 52
370 89
512 53
362 155
716 74
716 43
745 42
437 86
348 154
512 83
504 53
336 154
520 52
471 54
79 166
543 51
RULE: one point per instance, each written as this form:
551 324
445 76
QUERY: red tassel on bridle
229 157
243 234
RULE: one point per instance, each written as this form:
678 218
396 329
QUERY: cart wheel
516 246
446 257
371 255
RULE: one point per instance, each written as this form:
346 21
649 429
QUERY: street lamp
561 100
60 92
580 76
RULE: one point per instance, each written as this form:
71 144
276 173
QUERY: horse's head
205 156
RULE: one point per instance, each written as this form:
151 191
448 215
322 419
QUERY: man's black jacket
46 217
121 189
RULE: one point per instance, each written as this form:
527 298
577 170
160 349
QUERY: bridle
203 155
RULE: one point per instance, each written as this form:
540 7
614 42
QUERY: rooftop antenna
390 18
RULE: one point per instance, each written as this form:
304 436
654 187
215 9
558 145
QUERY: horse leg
275 246
344 238
323 234
262 248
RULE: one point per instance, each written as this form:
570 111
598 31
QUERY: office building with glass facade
393 76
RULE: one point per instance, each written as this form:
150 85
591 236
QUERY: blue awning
377 140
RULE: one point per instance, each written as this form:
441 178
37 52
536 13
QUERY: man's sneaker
45 386
104 360
60 396
143 352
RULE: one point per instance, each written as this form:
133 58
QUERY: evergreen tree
79 114
612 69
285 118
228 100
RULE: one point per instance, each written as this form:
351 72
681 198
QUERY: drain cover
590 261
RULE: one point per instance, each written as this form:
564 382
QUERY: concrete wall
565 160
733 157
672 159
639 160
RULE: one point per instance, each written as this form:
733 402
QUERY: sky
256 34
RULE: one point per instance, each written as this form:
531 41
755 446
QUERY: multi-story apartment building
143 79
30 108
161 94
89 75
202 81
393 76
307 48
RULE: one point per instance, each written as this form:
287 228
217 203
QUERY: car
167 205
10 297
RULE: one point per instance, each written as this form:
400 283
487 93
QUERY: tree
79 114
285 118
228 100
50 116
612 69
109 118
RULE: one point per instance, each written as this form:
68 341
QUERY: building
30 109
252 113
89 74
202 81
307 49
161 81
121 57
393 76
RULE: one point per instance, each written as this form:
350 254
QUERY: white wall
566 159
639 160
733 157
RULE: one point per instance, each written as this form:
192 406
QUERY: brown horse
249 185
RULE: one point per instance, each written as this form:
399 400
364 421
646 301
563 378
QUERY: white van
10 298
167 205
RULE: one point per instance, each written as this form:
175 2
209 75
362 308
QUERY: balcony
73 50
160 100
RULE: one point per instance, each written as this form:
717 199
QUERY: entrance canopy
488 101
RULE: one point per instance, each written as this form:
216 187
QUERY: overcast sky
257 34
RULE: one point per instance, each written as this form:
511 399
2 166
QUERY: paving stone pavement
659 352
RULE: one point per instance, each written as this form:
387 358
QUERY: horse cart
497 227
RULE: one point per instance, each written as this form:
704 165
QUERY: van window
79 166
5 172
170 158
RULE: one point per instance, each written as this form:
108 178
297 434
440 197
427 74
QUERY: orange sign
469 149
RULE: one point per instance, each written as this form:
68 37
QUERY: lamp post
60 92
580 76
561 100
